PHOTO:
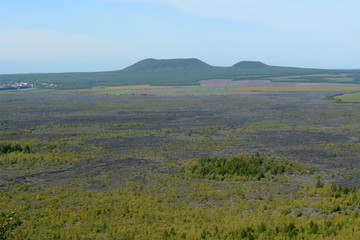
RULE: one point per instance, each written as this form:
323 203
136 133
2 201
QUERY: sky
103 35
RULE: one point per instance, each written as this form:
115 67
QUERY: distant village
25 85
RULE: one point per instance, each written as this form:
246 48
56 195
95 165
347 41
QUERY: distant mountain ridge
183 71
184 64
165 65
250 65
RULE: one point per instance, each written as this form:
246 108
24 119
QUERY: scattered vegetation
108 167
174 208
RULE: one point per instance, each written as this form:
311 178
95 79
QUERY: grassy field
136 87
270 165
339 78
225 90
351 97
298 88
200 90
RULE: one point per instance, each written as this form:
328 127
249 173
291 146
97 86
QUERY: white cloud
279 14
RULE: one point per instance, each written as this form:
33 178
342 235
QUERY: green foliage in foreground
240 167
6 148
8 222
47 154
170 207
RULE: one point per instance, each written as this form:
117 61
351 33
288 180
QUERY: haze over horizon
104 35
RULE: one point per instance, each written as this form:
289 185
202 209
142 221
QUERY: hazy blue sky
93 35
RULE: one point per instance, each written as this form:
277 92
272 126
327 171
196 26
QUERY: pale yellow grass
344 77
298 88
351 97
135 87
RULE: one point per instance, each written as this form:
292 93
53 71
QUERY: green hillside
179 72
250 65
170 65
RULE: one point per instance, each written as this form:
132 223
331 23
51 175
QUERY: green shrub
239 167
